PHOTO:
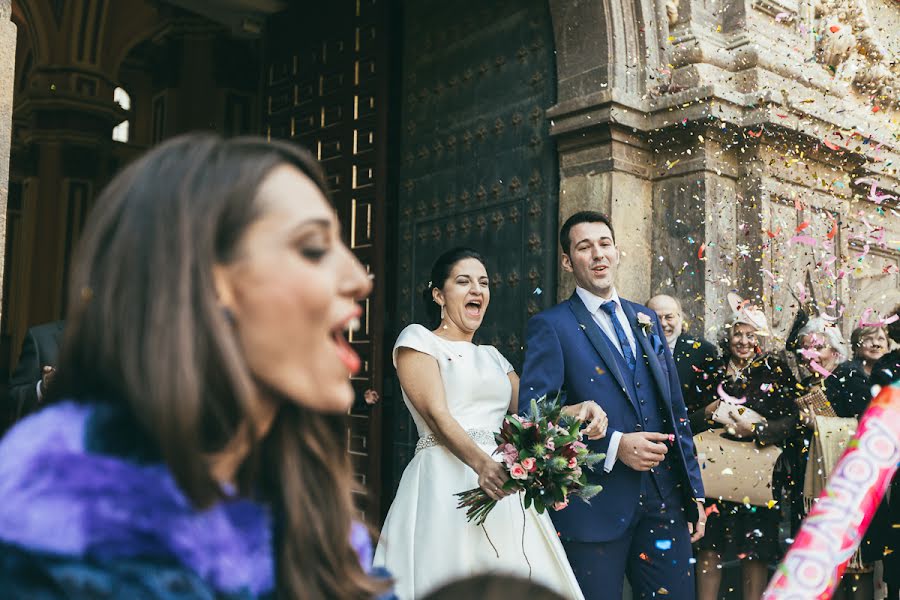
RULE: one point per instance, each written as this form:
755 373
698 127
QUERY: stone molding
850 45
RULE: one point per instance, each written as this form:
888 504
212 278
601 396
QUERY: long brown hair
145 331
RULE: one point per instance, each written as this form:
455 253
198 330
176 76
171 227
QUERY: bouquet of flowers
545 459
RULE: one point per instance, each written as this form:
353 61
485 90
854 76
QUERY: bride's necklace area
455 350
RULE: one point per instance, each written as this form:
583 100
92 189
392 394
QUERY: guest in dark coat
846 386
869 343
766 385
37 361
695 358
887 369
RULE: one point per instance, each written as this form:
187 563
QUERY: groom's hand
642 450
698 529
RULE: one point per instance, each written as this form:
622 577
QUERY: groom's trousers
654 553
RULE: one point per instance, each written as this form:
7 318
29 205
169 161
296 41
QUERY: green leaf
515 423
589 491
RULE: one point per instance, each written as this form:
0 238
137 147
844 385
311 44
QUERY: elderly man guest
694 357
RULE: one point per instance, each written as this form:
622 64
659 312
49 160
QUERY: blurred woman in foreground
193 447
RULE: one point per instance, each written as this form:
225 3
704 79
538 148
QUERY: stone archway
607 55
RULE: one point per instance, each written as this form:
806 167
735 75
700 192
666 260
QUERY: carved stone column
7 67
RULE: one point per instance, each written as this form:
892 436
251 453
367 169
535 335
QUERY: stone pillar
7 85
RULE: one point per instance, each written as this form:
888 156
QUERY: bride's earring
442 312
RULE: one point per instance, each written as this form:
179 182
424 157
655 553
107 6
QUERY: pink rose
579 445
527 424
529 464
509 452
573 463
550 445
517 471
561 505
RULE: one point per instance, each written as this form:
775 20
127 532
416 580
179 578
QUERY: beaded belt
480 436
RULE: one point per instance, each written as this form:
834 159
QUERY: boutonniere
645 322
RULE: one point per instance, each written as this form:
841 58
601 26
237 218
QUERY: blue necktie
610 309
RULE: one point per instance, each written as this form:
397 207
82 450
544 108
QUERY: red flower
529 464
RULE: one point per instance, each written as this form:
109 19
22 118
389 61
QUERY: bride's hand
590 413
491 477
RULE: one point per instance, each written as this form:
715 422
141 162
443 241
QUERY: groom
597 346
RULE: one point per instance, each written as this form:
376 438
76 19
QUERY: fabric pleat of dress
426 540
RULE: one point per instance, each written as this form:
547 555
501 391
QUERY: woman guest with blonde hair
194 442
869 343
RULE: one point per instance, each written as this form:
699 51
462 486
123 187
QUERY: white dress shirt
604 321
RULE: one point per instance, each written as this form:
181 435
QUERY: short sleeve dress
426 540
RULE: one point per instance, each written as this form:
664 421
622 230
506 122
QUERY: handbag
816 403
736 470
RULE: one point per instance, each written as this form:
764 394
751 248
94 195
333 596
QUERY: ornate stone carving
672 11
858 48
837 43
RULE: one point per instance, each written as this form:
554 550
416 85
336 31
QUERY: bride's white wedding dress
426 541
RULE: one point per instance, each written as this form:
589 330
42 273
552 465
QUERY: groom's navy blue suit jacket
567 352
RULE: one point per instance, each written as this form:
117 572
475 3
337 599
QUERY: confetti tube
835 526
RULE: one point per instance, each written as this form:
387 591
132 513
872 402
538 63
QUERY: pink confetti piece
806 240
807 353
782 16
874 196
865 322
825 373
826 317
728 398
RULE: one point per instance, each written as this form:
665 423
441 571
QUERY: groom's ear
567 263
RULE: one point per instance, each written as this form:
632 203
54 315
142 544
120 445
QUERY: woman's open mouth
473 308
345 352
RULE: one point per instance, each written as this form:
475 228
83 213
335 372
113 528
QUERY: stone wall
728 141
7 67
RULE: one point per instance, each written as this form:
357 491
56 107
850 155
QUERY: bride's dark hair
440 272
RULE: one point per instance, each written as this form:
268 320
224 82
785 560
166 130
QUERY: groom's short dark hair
584 216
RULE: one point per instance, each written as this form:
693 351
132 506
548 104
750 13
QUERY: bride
458 394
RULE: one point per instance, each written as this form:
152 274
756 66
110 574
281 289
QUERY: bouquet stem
477 504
